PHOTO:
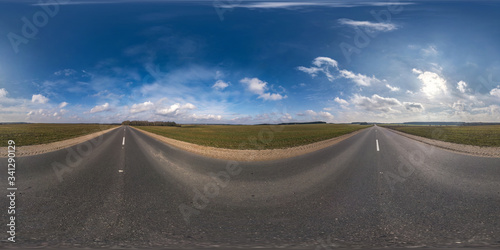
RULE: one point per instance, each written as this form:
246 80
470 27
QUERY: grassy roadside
485 136
226 136
41 133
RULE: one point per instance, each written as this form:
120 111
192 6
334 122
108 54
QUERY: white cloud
141 107
412 106
219 74
359 79
175 109
313 71
376 103
495 92
220 85
258 87
341 101
286 117
491 110
369 26
268 118
63 104
100 108
206 117
65 72
326 115
459 105
323 115
462 86
272 97
429 51
188 106
39 99
417 71
307 112
322 60
310 112
41 112
273 5
286 5
329 67
322 64
3 93
433 84
392 88
255 85
386 3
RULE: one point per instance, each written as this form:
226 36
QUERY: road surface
374 189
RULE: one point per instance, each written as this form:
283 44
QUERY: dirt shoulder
53 146
250 155
455 147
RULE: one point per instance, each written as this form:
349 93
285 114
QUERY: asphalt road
375 189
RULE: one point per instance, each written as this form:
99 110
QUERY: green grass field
33 134
487 135
227 136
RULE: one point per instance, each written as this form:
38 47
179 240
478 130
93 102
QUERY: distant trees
148 123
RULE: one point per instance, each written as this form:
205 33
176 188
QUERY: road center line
123 143
378 149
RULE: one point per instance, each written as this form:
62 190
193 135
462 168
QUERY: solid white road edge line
378 149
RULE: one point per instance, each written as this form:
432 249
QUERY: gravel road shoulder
53 146
455 147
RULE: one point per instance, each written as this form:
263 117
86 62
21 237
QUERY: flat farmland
485 136
253 136
41 133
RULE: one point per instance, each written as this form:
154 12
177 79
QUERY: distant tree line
148 123
360 123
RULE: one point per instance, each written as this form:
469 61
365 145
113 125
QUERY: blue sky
248 62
